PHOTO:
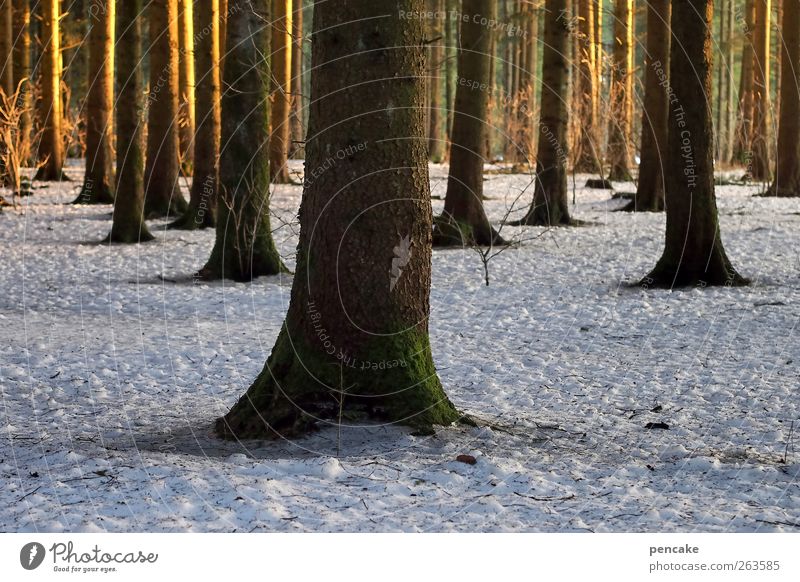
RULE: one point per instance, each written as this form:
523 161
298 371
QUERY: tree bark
355 340
759 164
51 142
186 84
297 132
620 123
655 114
244 248
693 251
205 184
550 206
451 50
787 166
281 63
162 193
437 143
464 220
98 181
22 73
128 224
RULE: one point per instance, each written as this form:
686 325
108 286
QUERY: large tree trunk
51 142
787 167
437 142
98 180
619 131
186 84
244 248
281 63
128 224
759 164
203 194
22 73
744 131
355 340
162 193
464 220
655 114
550 206
588 155
693 251
298 135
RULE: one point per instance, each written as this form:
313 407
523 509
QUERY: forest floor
115 364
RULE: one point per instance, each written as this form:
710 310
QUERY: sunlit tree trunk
51 143
128 224
355 343
186 83
787 166
98 181
281 63
7 47
244 248
650 188
203 194
620 122
693 251
588 146
550 206
162 193
298 134
22 72
744 131
761 140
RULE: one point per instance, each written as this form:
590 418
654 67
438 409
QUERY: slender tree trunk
744 132
655 114
98 181
203 194
281 62
693 251
761 140
619 131
437 142
296 150
550 206
464 220
186 83
22 72
128 224
223 27
7 47
355 340
787 166
244 248
451 29
524 143
162 193
51 142
588 159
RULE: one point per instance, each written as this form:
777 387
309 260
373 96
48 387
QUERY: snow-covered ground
115 363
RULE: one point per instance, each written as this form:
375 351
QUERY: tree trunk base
92 195
128 236
618 174
45 174
653 205
300 390
670 275
543 218
175 206
194 219
782 192
226 264
455 233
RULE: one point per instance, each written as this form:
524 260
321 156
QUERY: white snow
115 364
